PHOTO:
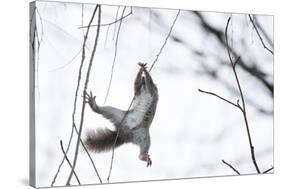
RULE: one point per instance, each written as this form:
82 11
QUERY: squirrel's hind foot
146 157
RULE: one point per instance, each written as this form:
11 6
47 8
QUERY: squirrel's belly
134 119
139 110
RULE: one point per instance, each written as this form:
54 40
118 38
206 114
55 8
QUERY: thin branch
229 165
252 70
84 93
63 159
110 23
224 99
261 29
88 154
131 103
114 58
66 158
115 25
167 37
76 94
82 19
258 33
117 135
66 64
74 111
270 169
243 102
75 100
106 36
39 42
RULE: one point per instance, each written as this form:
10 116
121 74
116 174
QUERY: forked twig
88 154
75 101
110 23
243 101
243 107
131 103
66 158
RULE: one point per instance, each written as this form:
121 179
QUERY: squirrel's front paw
91 100
142 65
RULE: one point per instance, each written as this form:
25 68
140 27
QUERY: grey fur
102 140
135 127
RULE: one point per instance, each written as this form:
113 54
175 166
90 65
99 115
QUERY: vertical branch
76 95
116 16
233 64
131 103
115 55
82 19
84 93
241 108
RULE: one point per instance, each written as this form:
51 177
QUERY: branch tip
229 165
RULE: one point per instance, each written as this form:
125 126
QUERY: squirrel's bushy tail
102 140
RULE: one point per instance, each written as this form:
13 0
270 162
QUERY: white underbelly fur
140 107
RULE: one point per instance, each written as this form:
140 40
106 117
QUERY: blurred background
191 132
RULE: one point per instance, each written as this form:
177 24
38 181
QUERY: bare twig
261 29
106 36
82 19
75 98
164 44
110 23
117 135
258 33
76 94
66 64
131 103
229 165
88 154
243 102
268 170
39 42
224 99
66 158
84 93
114 58
63 159
243 107
252 70
115 25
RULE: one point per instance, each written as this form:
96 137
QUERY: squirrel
134 127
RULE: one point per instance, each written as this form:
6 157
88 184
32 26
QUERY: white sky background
191 132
